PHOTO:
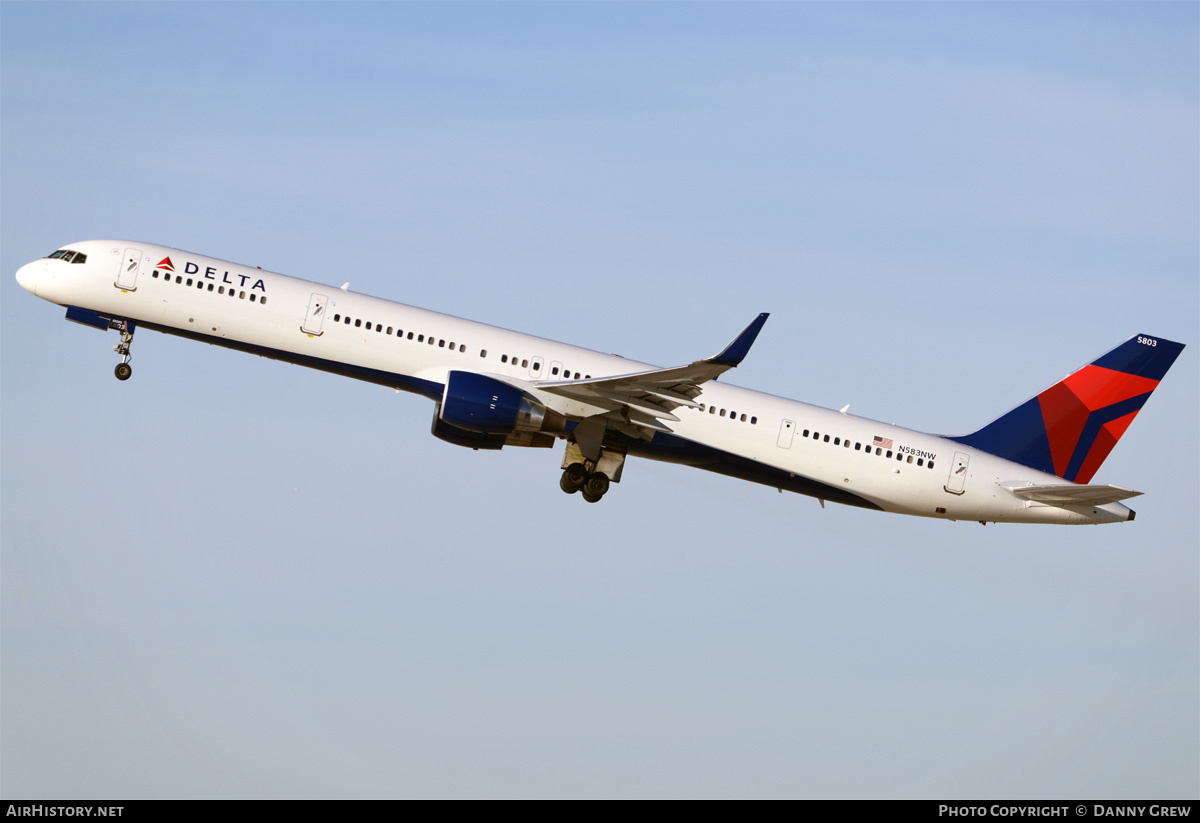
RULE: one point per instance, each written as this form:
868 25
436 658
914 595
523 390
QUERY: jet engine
481 412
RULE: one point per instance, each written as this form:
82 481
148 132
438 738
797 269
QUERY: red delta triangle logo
166 264
1089 411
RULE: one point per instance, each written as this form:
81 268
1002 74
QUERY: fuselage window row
732 415
200 284
880 451
378 328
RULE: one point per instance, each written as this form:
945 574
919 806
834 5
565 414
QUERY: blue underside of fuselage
665 447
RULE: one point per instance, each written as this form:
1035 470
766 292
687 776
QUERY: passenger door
127 274
315 315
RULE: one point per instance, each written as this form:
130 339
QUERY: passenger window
826 438
410 334
264 300
806 432
931 464
221 290
483 352
462 347
253 297
368 326
920 461
555 371
358 323
420 338
722 412
210 288
753 421
712 409
441 344
837 441
504 358
909 459
743 418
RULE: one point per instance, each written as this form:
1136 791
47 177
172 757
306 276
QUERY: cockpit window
68 256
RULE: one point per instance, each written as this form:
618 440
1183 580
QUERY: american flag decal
882 442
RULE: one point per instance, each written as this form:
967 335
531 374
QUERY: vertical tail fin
1069 429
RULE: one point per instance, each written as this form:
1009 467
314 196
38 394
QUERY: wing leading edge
642 403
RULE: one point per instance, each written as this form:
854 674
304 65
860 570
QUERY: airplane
492 388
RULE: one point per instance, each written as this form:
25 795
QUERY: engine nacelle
461 437
478 403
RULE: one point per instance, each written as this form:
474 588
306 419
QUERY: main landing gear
124 371
576 478
590 477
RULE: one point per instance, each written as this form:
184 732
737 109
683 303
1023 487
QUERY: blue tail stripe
1143 355
1019 436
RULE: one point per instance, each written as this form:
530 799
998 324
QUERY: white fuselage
737 431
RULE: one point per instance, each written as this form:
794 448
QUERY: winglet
736 351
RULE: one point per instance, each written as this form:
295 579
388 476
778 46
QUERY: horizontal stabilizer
1064 495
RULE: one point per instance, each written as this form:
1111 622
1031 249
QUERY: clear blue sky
235 578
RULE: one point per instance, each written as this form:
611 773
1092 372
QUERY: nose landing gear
124 371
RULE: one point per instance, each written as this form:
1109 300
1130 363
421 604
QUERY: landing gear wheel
595 486
123 369
573 477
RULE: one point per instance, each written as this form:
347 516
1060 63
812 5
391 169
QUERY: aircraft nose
27 276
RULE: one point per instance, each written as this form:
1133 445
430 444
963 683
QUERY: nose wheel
124 371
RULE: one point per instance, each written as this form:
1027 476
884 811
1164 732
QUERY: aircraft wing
642 402
1066 495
